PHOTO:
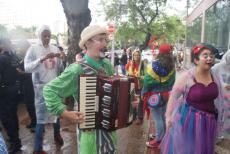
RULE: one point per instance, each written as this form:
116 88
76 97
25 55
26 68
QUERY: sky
31 12
37 10
50 12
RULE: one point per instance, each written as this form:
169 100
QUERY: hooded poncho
222 70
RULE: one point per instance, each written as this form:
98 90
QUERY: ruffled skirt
192 132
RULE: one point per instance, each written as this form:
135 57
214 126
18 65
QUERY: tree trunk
145 43
78 17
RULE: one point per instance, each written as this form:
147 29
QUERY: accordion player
105 101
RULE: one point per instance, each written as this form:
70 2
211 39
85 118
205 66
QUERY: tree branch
156 13
140 12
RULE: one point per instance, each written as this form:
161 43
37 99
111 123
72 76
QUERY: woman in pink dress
191 115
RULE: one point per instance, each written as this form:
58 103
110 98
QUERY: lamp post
111 30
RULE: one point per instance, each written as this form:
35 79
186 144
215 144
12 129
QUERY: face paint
207 57
101 39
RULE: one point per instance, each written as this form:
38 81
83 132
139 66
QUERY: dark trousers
29 100
8 114
123 69
39 134
138 112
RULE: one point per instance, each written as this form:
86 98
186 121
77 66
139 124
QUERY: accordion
105 102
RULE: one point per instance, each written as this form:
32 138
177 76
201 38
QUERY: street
131 140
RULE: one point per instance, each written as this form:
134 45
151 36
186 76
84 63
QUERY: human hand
48 56
73 116
227 87
168 123
20 71
135 103
62 56
136 100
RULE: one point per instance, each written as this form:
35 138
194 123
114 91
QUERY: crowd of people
190 109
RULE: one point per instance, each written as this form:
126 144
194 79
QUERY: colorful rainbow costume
157 80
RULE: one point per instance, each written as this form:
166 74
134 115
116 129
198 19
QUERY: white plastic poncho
222 69
42 73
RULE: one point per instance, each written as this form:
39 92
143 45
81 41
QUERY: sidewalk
131 140
150 131
223 147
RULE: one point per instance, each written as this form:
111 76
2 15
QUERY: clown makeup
100 38
100 41
96 44
207 56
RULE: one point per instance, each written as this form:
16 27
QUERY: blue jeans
123 69
3 148
39 134
158 115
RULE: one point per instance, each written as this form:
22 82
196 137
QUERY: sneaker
152 136
40 152
58 140
219 139
153 144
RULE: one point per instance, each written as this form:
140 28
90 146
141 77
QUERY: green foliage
137 20
20 32
141 13
172 27
169 26
128 35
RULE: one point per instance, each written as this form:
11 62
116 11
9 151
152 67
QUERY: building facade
208 22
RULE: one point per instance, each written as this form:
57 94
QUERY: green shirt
67 84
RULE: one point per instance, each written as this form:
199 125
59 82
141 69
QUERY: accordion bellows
105 101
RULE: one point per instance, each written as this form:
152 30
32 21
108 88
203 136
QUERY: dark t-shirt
8 73
123 59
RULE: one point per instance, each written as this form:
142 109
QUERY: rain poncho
42 73
190 123
222 69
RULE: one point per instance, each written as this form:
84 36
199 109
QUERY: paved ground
131 140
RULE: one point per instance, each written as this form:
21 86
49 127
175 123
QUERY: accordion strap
87 65
88 68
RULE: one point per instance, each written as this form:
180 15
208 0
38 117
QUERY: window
217 24
194 32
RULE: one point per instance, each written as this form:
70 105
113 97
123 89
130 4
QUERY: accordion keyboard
88 101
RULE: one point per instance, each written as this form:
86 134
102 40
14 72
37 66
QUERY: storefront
209 22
